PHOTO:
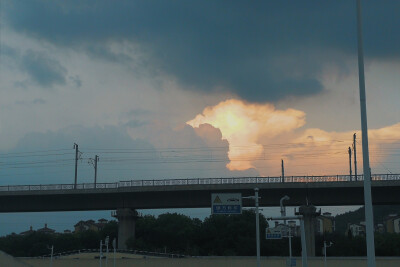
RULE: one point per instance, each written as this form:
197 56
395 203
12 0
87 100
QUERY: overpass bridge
126 196
336 190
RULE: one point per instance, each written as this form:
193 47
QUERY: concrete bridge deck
196 193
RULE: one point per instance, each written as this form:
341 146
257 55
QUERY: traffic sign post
226 203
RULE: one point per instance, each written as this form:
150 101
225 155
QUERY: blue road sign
226 203
272 233
274 236
227 209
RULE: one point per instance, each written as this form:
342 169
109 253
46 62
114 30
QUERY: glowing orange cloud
259 136
242 124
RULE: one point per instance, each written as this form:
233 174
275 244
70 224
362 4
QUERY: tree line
216 235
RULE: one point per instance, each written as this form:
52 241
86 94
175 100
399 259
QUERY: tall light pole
256 198
326 246
257 227
369 220
283 214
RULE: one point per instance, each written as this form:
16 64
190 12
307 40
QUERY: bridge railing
200 181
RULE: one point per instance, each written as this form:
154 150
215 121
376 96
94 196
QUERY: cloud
135 123
259 136
243 124
42 69
36 101
76 80
262 51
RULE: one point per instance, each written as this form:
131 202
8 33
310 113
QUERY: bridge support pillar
309 213
126 225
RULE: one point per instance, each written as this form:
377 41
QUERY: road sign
226 203
273 234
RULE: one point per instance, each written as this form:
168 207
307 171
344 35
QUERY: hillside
380 212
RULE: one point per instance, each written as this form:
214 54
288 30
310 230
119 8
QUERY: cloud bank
259 51
259 136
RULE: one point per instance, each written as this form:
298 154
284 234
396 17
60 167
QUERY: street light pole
325 246
255 197
51 255
369 220
303 235
257 227
101 251
114 243
283 214
106 241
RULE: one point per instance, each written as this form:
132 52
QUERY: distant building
325 223
356 229
67 231
392 223
46 230
30 231
82 226
284 229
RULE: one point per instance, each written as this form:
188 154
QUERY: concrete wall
213 262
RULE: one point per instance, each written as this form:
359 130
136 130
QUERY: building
356 229
392 223
82 226
325 223
284 229
46 230
30 231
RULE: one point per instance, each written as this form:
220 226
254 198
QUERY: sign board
273 234
290 262
226 203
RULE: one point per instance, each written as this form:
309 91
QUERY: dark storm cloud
42 69
210 45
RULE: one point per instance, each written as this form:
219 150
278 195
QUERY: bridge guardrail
200 181
135 252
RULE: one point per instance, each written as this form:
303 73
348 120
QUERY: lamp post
101 251
114 243
326 246
283 214
106 241
303 235
369 220
51 255
256 198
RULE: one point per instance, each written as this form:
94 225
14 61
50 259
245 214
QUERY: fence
201 181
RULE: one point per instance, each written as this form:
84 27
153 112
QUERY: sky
183 89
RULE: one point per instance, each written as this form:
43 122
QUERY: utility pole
355 155
94 163
256 199
51 255
257 227
76 164
350 163
283 172
369 213
96 159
